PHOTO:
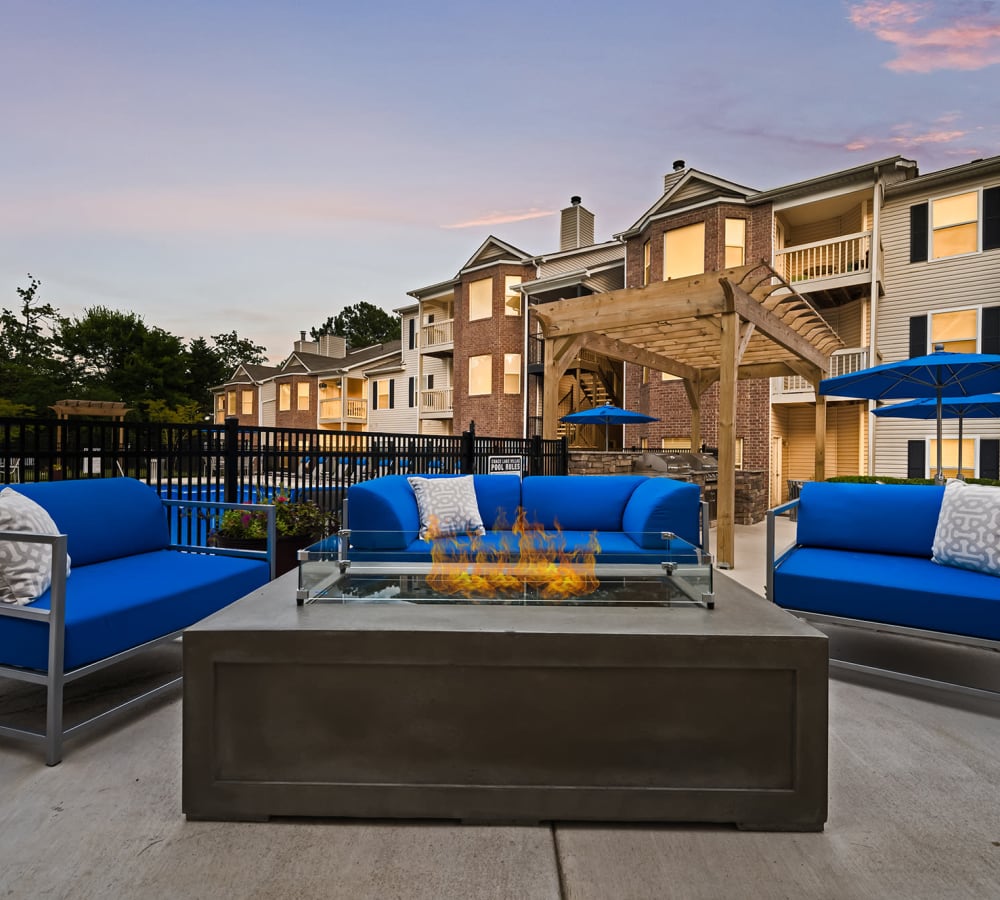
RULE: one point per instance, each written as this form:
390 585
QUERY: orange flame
527 555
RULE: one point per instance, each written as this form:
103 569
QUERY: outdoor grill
678 465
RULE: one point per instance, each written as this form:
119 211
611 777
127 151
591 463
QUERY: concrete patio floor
914 813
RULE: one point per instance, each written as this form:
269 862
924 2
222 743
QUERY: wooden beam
820 470
726 511
775 328
621 350
559 353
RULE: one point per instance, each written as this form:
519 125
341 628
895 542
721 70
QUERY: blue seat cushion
663 504
578 502
895 589
104 518
121 603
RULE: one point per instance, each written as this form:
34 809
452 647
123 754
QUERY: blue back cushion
382 513
578 502
498 497
875 518
105 518
663 504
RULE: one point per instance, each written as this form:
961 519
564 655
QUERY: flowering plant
293 518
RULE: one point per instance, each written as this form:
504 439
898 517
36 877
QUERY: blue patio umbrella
978 406
935 376
606 415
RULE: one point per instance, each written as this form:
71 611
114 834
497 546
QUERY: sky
214 165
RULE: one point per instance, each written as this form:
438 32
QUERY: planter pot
284 553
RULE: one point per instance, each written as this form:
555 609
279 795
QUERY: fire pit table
380 692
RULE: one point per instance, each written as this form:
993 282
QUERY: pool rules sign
497 465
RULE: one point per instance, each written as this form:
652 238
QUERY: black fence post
535 462
564 455
231 459
467 458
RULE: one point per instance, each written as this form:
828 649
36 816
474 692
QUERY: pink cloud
945 134
929 36
501 218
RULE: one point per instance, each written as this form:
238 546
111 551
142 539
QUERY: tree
32 374
328 327
233 350
364 324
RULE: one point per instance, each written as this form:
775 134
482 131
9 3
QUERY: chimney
304 346
333 345
577 226
678 165
671 178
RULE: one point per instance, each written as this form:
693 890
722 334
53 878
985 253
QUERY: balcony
437 338
354 409
839 262
437 404
795 389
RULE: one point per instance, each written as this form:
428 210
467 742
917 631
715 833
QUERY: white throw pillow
968 528
447 506
25 569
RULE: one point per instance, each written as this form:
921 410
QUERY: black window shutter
991 218
413 390
918 335
989 459
374 386
430 382
916 459
990 338
392 393
413 333
918 232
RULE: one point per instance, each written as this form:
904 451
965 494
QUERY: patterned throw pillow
25 569
968 528
447 506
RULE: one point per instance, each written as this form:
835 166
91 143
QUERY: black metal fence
239 463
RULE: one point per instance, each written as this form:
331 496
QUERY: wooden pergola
720 327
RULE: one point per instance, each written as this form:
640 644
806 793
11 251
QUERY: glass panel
480 375
736 237
949 456
512 373
953 210
955 240
481 299
684 251
302 395
956 330
512 299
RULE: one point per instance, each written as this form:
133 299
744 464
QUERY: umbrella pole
939 475
959 475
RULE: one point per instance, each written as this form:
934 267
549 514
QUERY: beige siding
268 404
915 288
844 440
848 321
579 261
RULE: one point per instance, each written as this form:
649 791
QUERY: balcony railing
436 333
331 410
357 409
437 401
842 362
846 255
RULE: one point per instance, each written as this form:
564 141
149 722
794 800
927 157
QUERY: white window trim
931 229
954 309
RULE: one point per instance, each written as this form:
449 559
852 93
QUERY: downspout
526 310
876 262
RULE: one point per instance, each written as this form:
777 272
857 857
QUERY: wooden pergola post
559 353
726 513
820 470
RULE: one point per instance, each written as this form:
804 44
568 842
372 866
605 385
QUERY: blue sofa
862 556
130 587
630 513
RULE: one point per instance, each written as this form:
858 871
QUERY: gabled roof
249 373
865 173
493 251
317 364
685 188
942 178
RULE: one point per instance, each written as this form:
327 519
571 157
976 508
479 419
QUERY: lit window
481 299
955 225
949 456
646 270
956 330
512 373
511 298
246 402
382 391
676 443
231 403
284 397
666 376
480 375
302 395
684 251
220 404
736 242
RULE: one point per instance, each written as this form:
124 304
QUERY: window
220 404
921 458
956 330
302 395
231 403
646 269
285 396
246 403
949 456
481 299
955 225
480 375
429 382
736 242
382 394
512 373
666 376
676 443
412 396
511 298
950 226
684 251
